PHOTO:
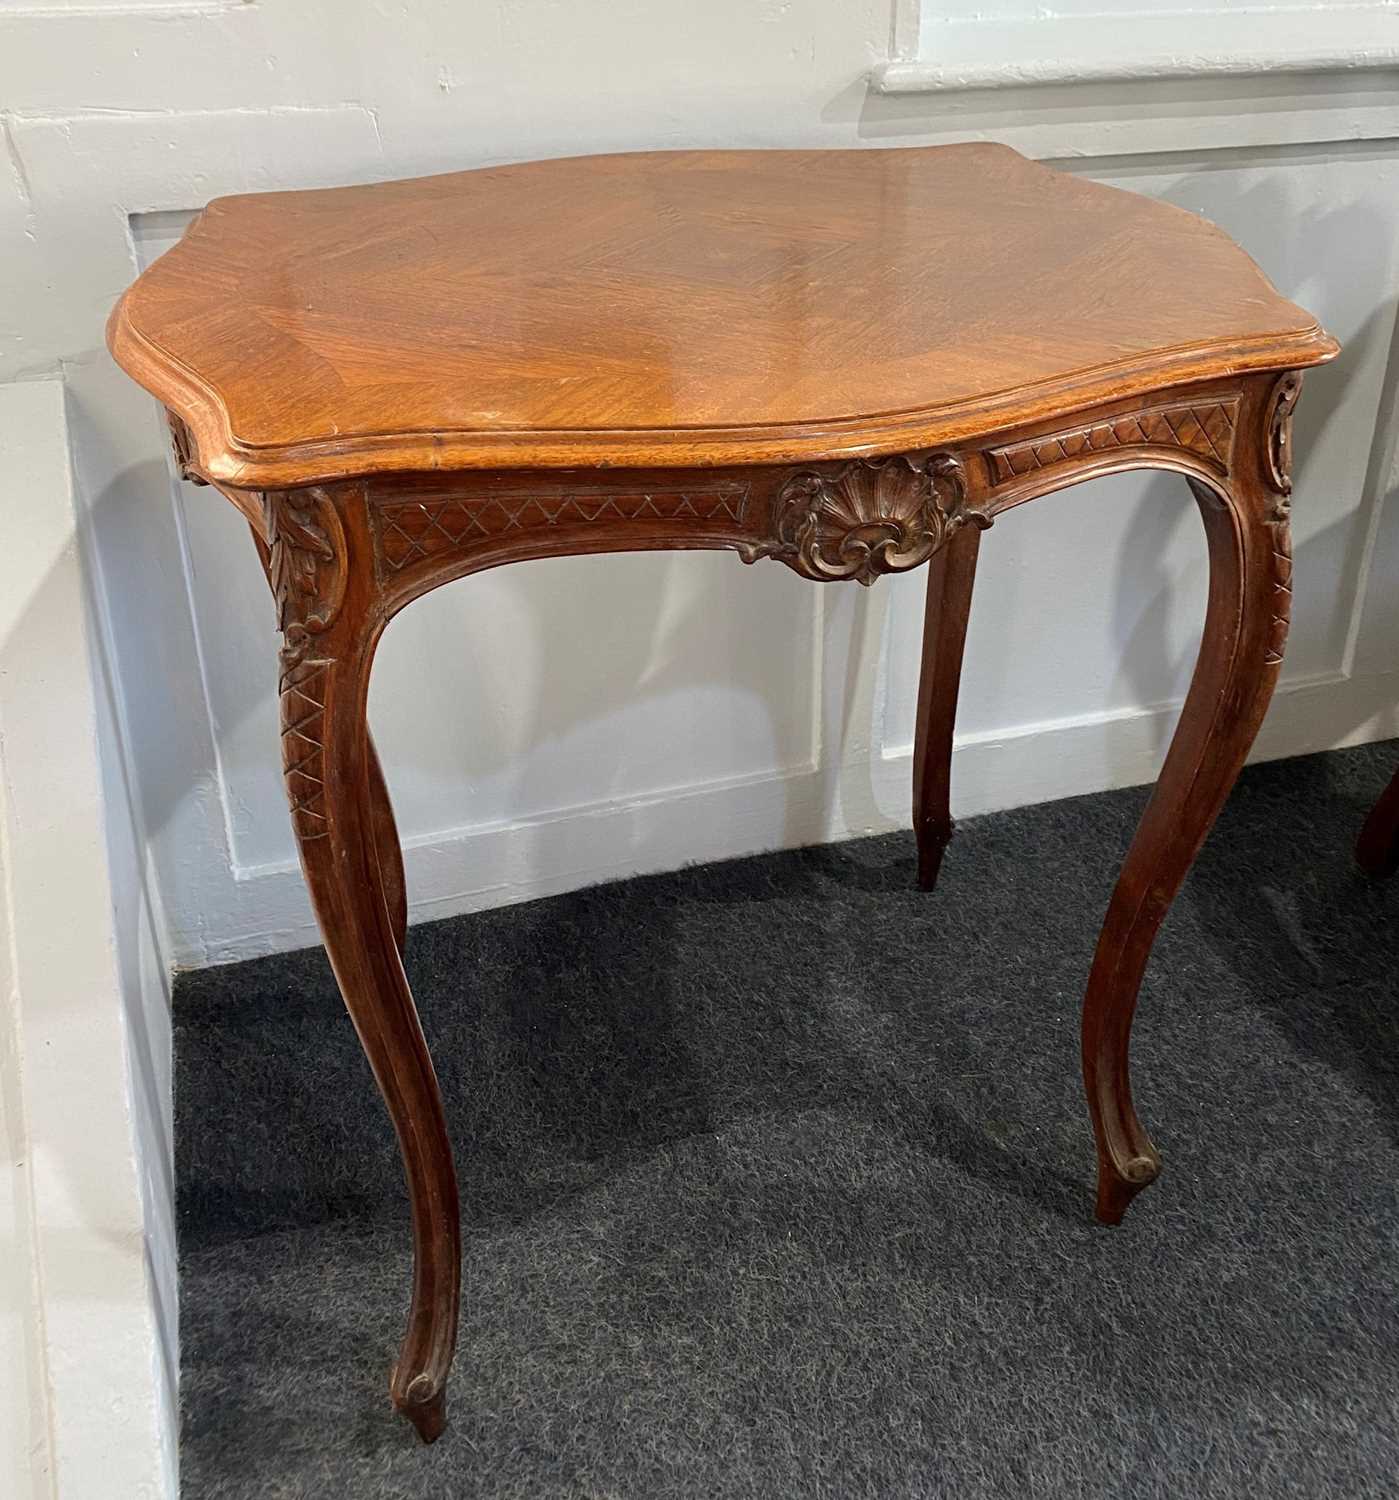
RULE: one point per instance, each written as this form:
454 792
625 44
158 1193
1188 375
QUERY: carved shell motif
873 516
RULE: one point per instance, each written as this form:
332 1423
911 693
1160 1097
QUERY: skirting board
473 869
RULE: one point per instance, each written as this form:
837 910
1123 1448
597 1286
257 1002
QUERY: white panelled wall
562 722
592 717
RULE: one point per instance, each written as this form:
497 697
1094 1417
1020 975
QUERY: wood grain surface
681 308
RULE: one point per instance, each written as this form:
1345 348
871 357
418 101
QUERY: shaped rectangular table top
681 308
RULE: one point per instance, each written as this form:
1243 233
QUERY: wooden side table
850 362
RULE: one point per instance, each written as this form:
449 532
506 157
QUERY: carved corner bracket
871 516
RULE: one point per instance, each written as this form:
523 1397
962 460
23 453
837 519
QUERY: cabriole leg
331 781
951 575
1240 653
389 862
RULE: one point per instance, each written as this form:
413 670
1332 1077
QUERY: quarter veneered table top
681 308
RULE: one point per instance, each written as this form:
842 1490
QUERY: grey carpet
776 1182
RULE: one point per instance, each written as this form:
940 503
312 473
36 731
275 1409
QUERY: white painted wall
701 714
671 708
699 677
87 1398
661 708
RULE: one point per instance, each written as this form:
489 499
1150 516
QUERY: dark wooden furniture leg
1377 848
951 575
320 568
1240 653
386 841
326 755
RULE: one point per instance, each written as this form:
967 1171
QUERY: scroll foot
1117 1187
425 1408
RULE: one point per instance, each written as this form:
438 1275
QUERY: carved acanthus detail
1204 428
1277 454
872 516
305 563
